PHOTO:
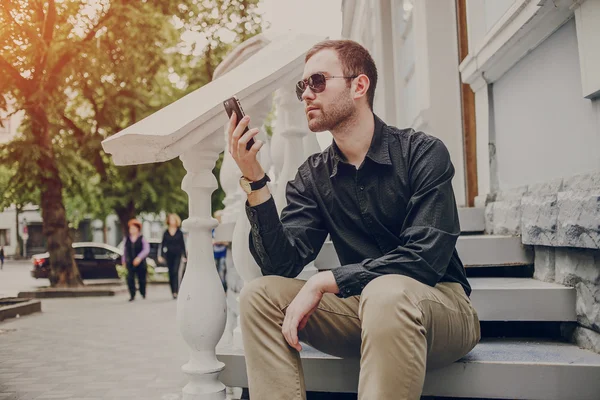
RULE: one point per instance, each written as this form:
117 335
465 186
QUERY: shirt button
362 188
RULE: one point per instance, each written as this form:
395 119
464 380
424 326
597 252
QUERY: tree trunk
19 247
104 231
63 270
125 214
208 67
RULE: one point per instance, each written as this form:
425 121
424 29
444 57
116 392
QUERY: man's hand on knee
298 312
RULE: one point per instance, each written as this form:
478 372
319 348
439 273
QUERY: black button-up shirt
395 214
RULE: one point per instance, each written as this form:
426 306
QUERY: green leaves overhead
89 70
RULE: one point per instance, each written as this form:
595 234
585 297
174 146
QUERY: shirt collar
379 150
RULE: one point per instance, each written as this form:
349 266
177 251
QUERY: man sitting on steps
400 299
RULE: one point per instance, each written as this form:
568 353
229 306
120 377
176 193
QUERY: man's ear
361 85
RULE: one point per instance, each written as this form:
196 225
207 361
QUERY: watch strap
259 184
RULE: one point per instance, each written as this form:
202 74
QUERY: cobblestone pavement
94 348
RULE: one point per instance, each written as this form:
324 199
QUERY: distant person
172 250
220 253
1 257
135 251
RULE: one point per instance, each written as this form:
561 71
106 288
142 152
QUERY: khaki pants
398 327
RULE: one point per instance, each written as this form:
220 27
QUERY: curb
21 307
71 292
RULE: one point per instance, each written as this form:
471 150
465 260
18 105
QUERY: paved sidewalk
95 348
15 277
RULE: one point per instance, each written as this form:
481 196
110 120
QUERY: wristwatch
249 186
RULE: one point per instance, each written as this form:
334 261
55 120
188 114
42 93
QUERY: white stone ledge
496 368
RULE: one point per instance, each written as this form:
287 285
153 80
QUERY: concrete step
496 368
522 299
493 251
474 251
472 219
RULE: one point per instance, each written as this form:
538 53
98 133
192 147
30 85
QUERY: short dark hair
355 60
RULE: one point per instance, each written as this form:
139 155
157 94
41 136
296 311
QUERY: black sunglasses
316 83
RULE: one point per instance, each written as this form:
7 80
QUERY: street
15 277
90 348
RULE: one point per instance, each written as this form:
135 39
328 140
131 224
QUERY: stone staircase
521 354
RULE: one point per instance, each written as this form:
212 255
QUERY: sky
322 17
310 16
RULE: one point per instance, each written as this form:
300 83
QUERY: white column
293 129
229 178
587 21
311 144
437 70
482 111
277 145
243 261
201 306
230 172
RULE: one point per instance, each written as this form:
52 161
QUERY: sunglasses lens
317 83
300 88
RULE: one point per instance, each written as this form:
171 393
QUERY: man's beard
339 111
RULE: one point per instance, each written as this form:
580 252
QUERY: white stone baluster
230 172
229 178
311 144
243 261
201 307
277 144
293 127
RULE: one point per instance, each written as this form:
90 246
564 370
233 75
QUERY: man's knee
254 293
267 291
387 304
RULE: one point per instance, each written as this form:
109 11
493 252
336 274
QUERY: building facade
512 87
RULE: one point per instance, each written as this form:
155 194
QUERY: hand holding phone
233 105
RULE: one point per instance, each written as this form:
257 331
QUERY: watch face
245 185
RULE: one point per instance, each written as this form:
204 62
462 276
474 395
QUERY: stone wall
579 268
560 213
561 219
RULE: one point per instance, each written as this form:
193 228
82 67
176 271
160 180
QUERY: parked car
154 251
94 260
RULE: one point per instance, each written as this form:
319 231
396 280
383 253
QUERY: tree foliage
83 71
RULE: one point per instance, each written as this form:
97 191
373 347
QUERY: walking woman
173 250
134 257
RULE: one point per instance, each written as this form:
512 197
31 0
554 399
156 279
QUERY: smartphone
233 105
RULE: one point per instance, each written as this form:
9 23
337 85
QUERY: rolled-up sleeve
429 231
284 246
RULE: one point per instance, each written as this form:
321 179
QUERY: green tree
82 72
214 21
141 84
43 47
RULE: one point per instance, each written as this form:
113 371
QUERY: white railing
201 322
192 128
